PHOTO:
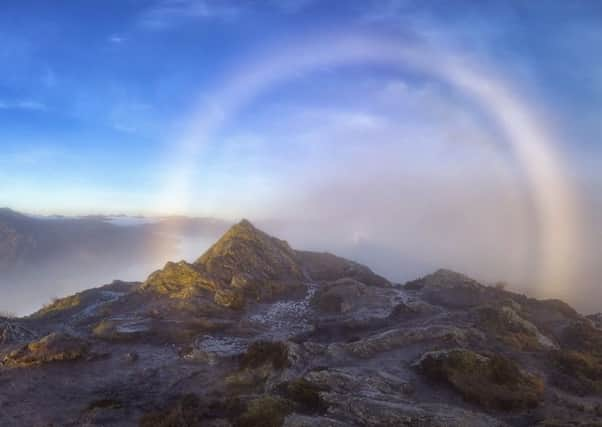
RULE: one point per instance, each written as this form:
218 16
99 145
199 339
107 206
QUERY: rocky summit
255 333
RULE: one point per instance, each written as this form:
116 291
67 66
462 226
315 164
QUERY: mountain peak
246 250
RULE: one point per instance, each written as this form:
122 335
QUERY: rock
578 372
298 420
361 382
187 410
493 382
409 310
131 357
265 352
179 280
505 324
596 320
55 347
339 297
439 335
267 411
451 289
11 332
323 266
384 413
246 250
578 364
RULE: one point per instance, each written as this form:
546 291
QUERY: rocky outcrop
493 382
503 323
246 251
450 289
433 335
346 295
180 280
385 413
56 347
326 267
255 333
12 332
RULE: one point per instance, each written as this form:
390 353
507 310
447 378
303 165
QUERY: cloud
168 13
23 104
116 39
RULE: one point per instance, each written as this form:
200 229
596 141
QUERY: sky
383 125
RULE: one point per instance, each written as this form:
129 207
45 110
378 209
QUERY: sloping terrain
68 254
255 333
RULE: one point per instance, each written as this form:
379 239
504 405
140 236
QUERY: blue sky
464 134
93 95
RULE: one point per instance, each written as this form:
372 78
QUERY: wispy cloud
23 104
116 39
167 13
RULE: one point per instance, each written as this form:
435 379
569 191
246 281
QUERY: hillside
256 333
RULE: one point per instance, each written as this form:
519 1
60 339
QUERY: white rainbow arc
530 138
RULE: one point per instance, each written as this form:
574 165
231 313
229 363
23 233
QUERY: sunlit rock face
255 333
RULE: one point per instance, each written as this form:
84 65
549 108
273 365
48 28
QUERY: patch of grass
305 394
492 382
58 305
505 328
580 372
55 347
267 411
582 336
104 404
262 352
186 411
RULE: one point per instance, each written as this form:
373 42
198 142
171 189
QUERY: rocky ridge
255 333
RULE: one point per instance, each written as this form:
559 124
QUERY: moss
55 347
58 305
104 404
578 372
582 336
268 411
263 352
179 280
186 411
492 382
305 394
229 298
504 325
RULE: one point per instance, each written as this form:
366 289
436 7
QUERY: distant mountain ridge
66 253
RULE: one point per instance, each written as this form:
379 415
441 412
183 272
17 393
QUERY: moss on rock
492 382
55 347
265 352
266 411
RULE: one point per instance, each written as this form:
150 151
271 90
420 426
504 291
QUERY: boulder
450 289
436 335
326 267
493 382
